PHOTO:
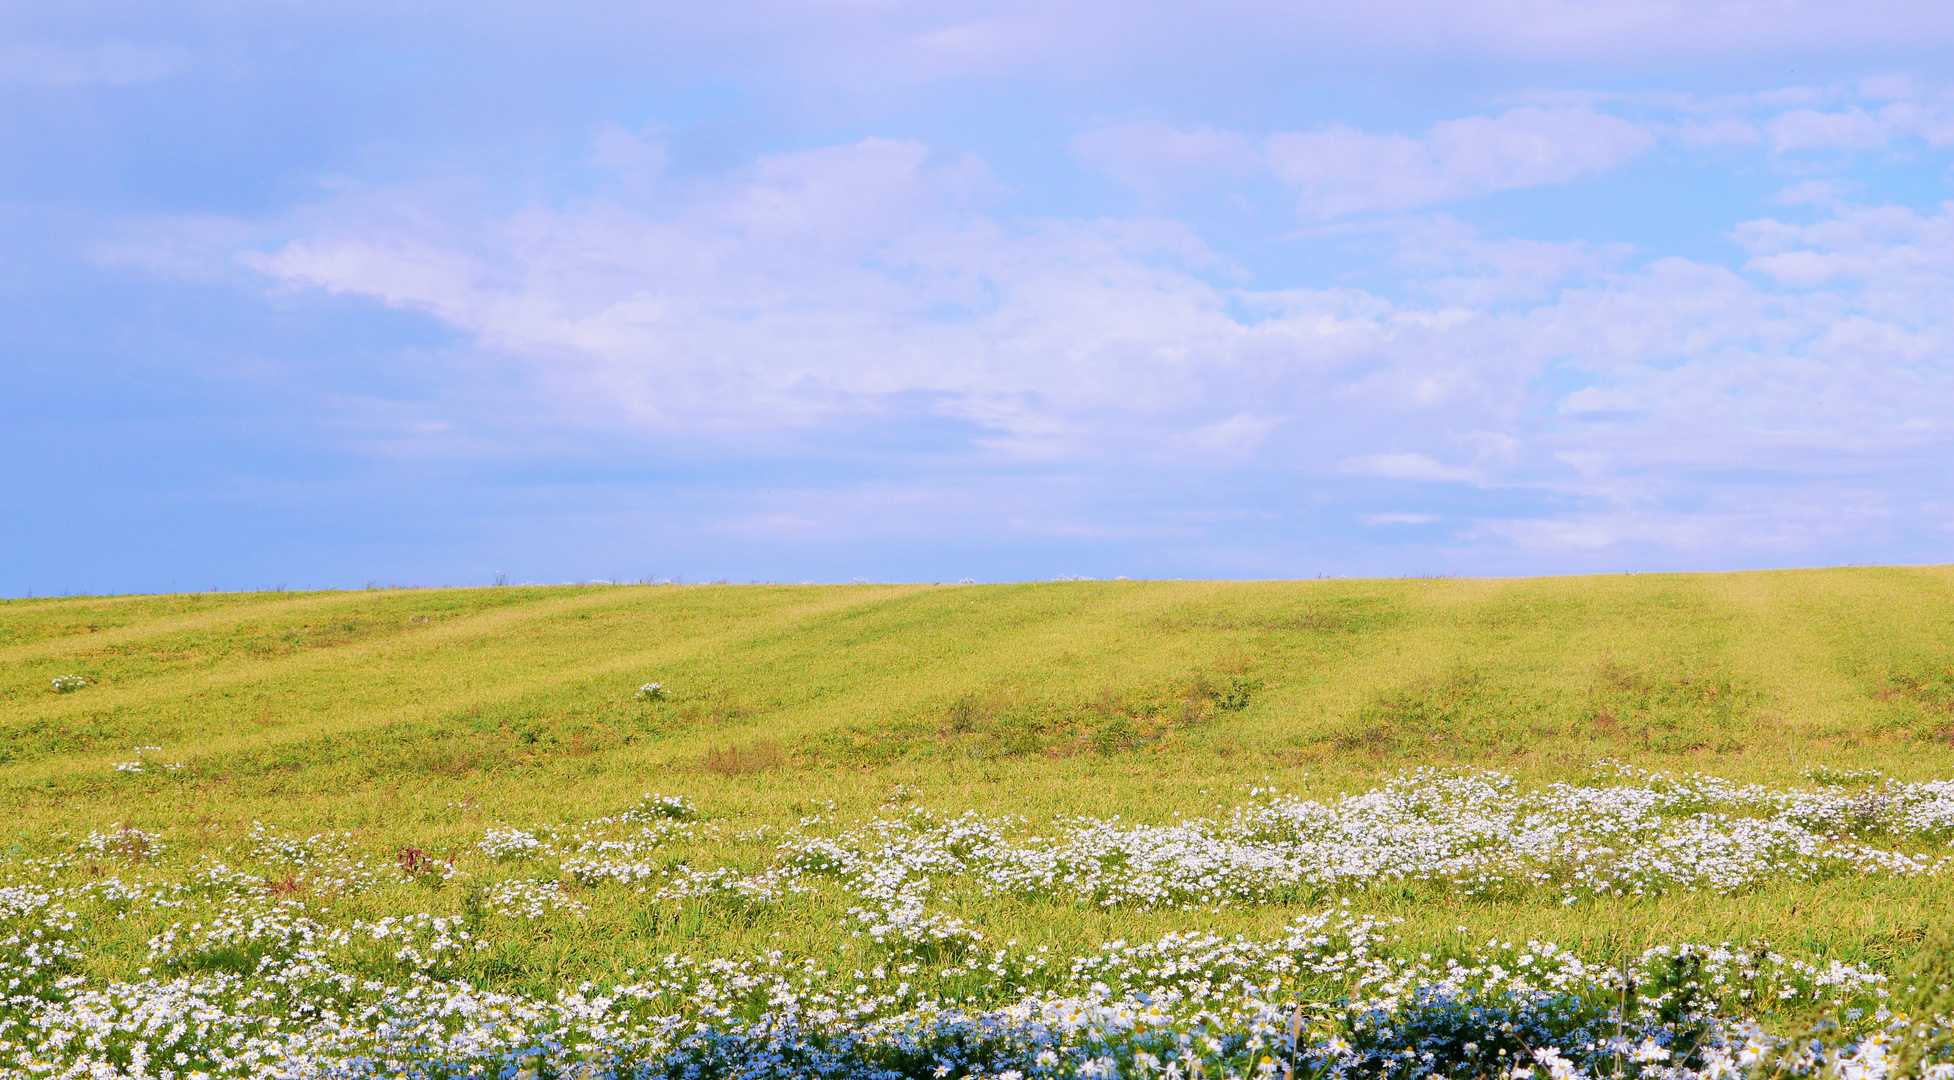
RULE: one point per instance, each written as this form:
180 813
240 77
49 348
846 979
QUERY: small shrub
1116 734
1199 686
421 867
966 714
1234 696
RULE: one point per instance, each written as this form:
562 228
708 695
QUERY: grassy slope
419 717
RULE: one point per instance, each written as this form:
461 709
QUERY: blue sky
322 294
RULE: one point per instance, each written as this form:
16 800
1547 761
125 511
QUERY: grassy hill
355 706
414 720
456 692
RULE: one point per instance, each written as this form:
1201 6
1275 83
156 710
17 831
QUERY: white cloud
1340 170
1806 129
1597 401
804 287
1853 128
1410 466
853 286
1464 268
1903 259
1399 519
1715 131
1238 436
1731 526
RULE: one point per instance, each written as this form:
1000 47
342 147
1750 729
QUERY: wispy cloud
1857 128
1340 170
815 291
1411 466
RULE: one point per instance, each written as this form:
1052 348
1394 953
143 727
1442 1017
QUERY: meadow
1677 825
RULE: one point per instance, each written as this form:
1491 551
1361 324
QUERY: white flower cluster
1470 834
257 980
509 844
726 883
323 864
124 841
1828 774
655 808
652 691
532 898
593 858
68 684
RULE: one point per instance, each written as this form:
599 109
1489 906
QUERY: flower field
259 971
1613 827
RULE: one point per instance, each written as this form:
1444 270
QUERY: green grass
416 718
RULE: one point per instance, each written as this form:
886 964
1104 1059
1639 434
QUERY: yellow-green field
414 717
414 720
